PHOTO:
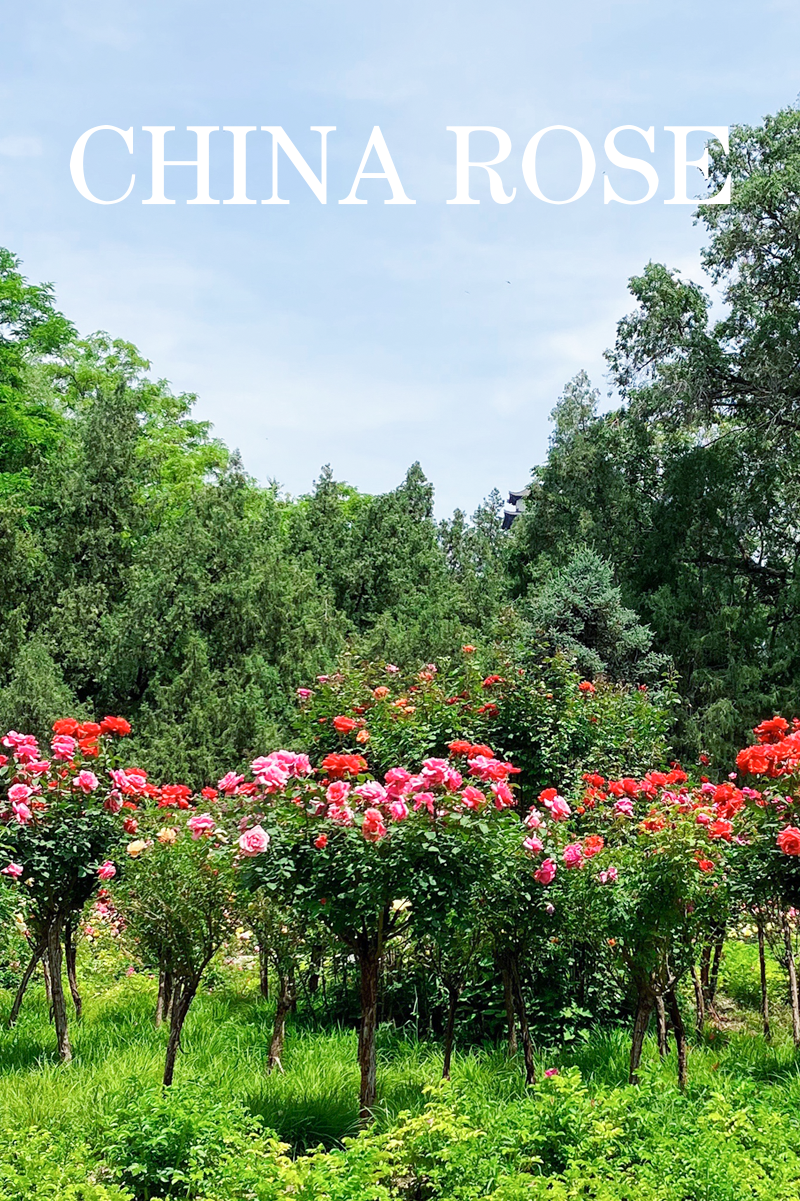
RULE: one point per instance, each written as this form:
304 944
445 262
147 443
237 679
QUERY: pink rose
321 841
533 844
253 841
435 771
86 781
371 791
426 799
551 1072
623 808
22 813
200 824
573 855
341 815
473 798
106 871
546 873
608 876
392 670
229 783
373 828
503 796
304 693
14 870
559 809
63 746
399 810
19 792
397 781
533 821
337 792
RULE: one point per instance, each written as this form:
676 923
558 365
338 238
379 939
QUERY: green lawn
101 1128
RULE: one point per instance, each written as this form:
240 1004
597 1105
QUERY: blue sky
373 335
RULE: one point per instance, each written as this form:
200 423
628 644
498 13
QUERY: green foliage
186 1144
176 894
579 610
513 696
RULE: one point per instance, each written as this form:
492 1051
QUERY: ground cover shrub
39 1165
187 1143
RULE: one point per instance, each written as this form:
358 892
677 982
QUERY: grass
118 1060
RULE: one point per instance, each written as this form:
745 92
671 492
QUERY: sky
370 336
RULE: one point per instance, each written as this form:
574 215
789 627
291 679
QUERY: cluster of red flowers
776 753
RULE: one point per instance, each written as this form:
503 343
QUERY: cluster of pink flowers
345 799
35 783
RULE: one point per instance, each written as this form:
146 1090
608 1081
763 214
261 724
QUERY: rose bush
62 822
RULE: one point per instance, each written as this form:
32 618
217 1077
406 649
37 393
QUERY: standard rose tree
63 819
643 863
767 871
177 899
368 858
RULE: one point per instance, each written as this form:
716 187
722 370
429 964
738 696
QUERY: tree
579 610
368 860
177 899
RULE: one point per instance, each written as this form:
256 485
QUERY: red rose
344 725
789 840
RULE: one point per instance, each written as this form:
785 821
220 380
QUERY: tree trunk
38 951
182 997
644 1007
705 967
762 964
315 974
714 975
453 995
263 972
286 994
70 954
48 987
166 988
55 961
661 1021
511 1019
524 1028
369 958
792 970
699 1002
671 1000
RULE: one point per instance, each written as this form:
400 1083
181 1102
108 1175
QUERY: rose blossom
559 809
371 791
789 840
63 746
106 871
200 824
373 828
546 873
608 876
14 870
254 841
399 810
533 845
573 855
86 781
22 813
